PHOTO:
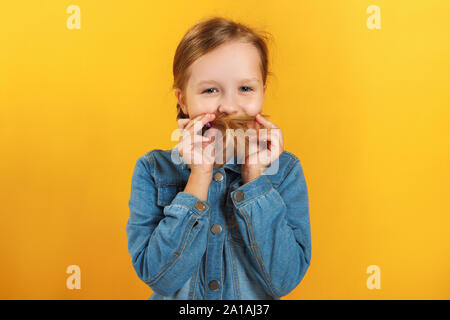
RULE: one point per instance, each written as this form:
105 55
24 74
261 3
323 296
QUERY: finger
264 121
203 152
265 157
252 159
190 140
200 124
202 141
187 141
273 134
209 152
203 118
182 123
275 150
276 135
213 132
266 135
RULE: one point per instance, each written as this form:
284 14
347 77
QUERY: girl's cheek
254 108
197 108
206 106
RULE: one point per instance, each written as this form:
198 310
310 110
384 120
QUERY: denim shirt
247 241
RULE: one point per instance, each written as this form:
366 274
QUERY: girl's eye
249 88
207 90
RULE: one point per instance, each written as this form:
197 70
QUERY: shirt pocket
166 193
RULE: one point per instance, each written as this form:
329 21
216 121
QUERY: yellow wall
366 111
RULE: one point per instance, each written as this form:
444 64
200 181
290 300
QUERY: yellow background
366 111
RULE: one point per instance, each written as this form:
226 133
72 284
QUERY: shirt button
239 196
214 285
216 229
218 176
200 205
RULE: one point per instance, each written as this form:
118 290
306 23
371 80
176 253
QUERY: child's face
226 80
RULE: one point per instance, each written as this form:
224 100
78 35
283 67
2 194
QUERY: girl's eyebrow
243 80
251 79
205 82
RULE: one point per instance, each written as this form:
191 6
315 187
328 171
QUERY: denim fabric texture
247 241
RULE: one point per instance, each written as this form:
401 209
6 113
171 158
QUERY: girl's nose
229 104
227 109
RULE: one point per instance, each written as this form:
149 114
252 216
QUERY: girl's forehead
224 77
241 58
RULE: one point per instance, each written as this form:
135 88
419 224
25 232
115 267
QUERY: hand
193 147
257 161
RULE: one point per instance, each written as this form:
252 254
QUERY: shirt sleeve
165 244
276 229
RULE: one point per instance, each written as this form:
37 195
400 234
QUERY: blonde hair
224 122
207 35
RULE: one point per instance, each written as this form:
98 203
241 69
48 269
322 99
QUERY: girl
231 231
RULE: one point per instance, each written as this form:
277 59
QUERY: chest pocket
166 193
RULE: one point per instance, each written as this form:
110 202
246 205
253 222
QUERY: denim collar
231 163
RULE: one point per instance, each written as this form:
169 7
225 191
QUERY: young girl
231 231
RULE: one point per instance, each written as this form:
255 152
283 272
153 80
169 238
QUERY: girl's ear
180 97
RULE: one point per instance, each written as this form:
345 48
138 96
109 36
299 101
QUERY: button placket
216 238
